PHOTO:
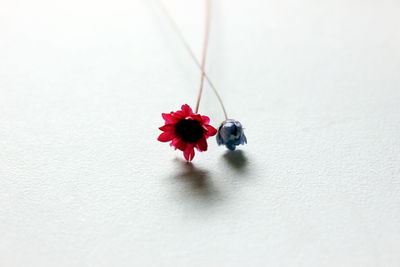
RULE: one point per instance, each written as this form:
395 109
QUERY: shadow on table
193 175
198 180
236 159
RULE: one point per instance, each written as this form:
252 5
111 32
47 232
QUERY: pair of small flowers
187 130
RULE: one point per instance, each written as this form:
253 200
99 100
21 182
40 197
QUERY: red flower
186 131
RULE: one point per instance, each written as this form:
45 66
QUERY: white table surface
83 181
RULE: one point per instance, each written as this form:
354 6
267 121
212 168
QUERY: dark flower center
190 131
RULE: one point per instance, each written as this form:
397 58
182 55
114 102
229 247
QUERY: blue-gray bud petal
231 134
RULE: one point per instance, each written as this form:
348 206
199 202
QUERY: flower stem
191 53
204 53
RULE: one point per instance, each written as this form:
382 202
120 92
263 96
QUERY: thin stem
191 53
204 54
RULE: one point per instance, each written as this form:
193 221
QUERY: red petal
187 110
178 144
167 127
168 118
189 153
202 144
197 117
178 115
165 137
206 120
210 131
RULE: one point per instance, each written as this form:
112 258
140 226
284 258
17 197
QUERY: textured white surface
83 181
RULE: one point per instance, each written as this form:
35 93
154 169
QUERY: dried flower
186 131
231 134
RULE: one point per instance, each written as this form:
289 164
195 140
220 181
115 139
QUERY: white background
83 181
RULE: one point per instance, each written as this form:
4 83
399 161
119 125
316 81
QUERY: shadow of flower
193 175
236 159
197 180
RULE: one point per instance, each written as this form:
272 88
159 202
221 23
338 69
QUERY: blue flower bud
230 134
